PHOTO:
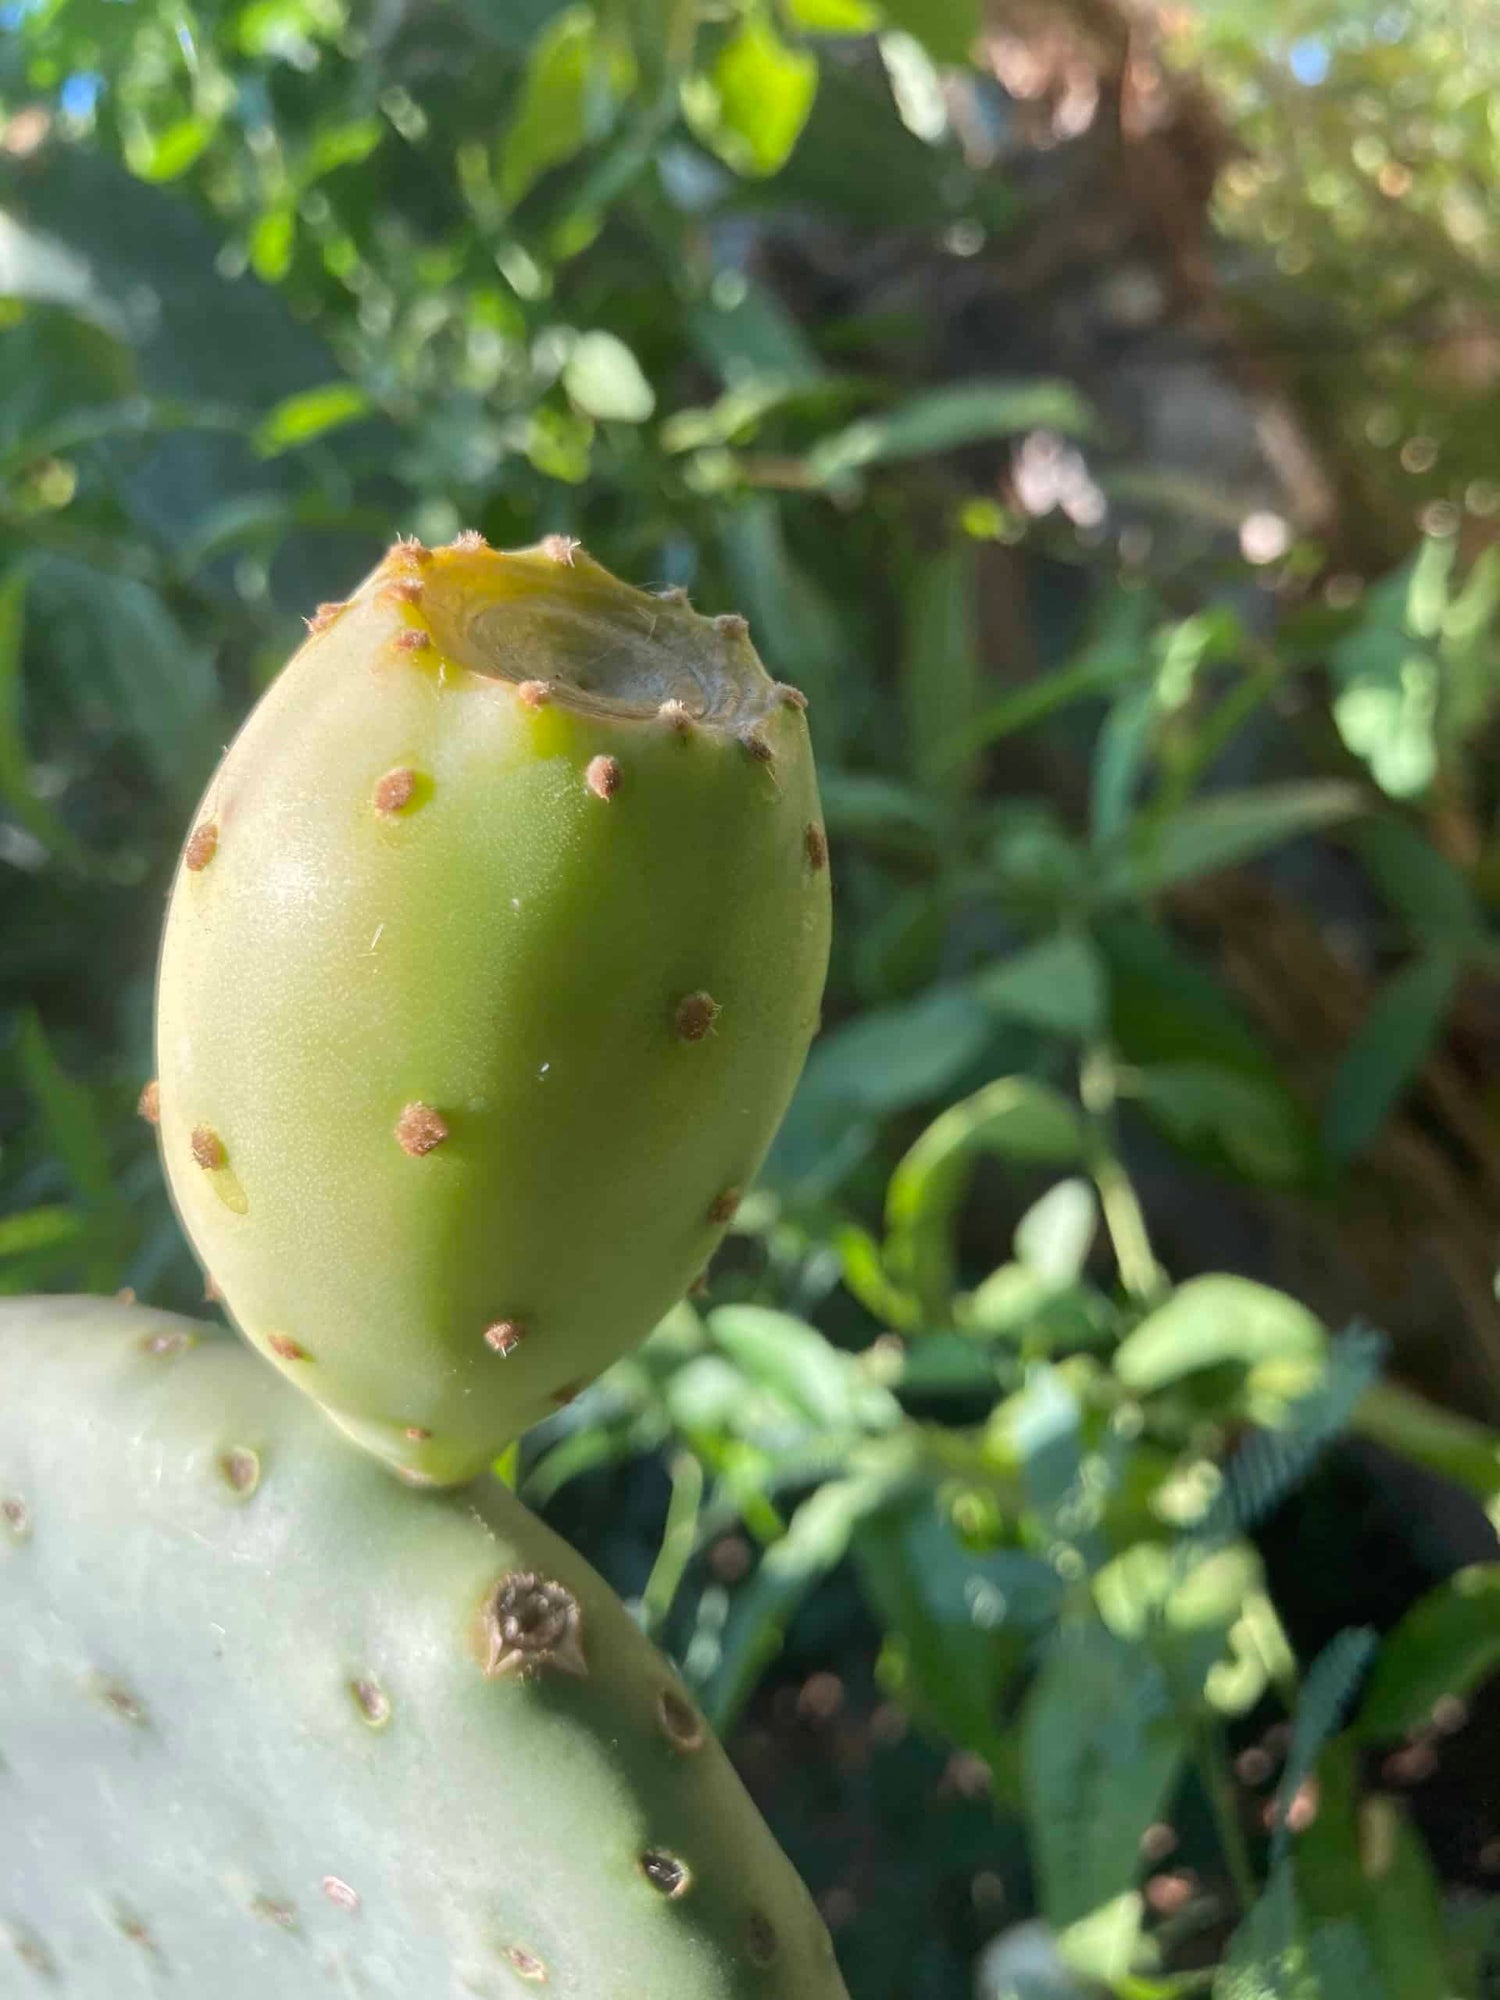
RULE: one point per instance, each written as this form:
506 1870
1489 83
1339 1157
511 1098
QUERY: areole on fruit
524 867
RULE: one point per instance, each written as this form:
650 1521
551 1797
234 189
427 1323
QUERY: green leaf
1097 673
1272 1461
1105 1946
833 17
1053 1237
1101 1750
797 1363
167 154
1455 1447
576 75
1387 694
559 443
943 419
59 373
1405 1919
753 104
1427 592
1120 753
76 1135
1013 1118
1265 1960
345 142
1447 1644
1223 831
1329 1688
39 1229
1058 984
121 654
1213 1321
963 1620
1426 890
803 635
74 1128
1251 1123
939 663
727 1666
1389 1048
272 241
16 787
947 29
1019 1304
751 336
604 379
1042 1429
861 806
310 414
1372 1910
866 1277
893 1057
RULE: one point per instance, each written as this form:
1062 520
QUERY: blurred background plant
1094 409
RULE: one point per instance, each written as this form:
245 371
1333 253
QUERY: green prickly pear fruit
274 1728
491 963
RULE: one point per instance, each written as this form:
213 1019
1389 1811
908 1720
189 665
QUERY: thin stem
678 1538
1140 1274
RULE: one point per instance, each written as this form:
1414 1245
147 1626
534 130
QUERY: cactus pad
272 1726
491 963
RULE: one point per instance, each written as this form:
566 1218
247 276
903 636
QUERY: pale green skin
183 1761
509 949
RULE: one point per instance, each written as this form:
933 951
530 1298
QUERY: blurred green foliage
279 279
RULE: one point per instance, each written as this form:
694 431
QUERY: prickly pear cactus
271 1725
492 960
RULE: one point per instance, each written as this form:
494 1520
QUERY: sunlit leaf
39 1229
1013 1118
344 143
1053 1236
603 378
797 1362
834 17
310 414
578 72
272 241
167 154
866 1277
559 443
752 105
1211 1321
